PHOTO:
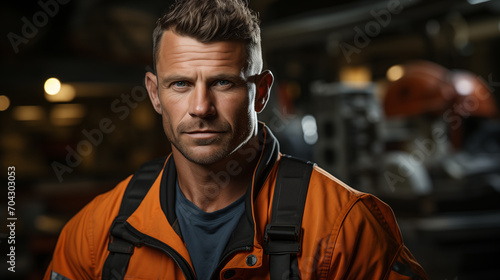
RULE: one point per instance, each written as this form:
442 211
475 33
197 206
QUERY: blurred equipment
442 139
404 177
348 120
448 131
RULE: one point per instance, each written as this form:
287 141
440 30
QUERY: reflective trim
57 276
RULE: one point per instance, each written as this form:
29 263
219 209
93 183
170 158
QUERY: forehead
183 52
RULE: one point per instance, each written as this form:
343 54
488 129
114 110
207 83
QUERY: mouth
204 133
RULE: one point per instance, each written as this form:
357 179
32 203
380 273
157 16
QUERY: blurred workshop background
398 98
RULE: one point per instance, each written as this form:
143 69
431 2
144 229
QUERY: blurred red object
428 88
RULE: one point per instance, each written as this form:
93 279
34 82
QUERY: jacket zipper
217 270
157 244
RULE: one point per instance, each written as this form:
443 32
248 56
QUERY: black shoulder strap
282 236
120 250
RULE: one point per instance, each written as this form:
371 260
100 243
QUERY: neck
213 187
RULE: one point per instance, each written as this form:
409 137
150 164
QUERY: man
205 215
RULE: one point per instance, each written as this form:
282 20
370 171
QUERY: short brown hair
212 21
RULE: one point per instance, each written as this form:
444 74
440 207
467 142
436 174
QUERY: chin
206 158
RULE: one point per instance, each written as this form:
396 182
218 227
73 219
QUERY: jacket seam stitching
380 217
388 272
336 231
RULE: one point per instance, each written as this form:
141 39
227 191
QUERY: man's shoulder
338 197
323 182
343 201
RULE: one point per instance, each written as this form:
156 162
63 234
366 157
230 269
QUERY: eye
179 84
223 83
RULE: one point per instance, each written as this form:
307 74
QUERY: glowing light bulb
52 86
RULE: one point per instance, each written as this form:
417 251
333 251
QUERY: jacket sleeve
370 246
74 256
82 245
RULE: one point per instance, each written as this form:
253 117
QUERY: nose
201 103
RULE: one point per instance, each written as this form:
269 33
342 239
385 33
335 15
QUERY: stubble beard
219 154
223 150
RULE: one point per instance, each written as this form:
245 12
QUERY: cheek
167 125
244 115
172 109
240 108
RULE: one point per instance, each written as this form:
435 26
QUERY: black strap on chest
282 236
120 250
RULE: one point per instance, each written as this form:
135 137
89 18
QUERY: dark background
332 103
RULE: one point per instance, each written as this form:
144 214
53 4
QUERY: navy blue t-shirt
206 234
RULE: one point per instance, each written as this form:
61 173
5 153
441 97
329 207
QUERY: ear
263 83
152 87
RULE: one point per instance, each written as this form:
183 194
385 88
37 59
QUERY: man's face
208 105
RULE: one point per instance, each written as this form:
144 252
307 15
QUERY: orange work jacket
347 234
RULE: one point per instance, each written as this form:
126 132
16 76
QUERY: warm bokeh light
52 86
395 73
67 114
355 75
4 102
66 94
28 113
